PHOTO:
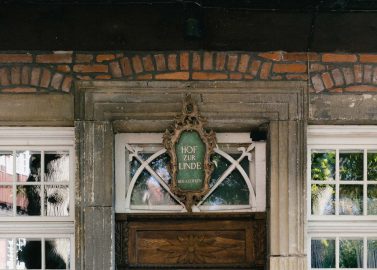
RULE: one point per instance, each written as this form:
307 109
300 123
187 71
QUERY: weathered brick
126 66
348 75
63 68
317 83
160 62
136 64
196 61
119 55
361 88
144 77
374 79
276 77
336 90
232 62
94 68
220 60
244 63
54 58
67 84
4 76
327 80
84 77
301 56
368 58
19 90
315 67
83 58
254 67
57 81
15 75
358 72
235 76
275 56
298 77
208 61
182 75
289 68
172 62
25 75
209 76
115 70
105 57
16 58
335 57
148 63
337 76
265 70
103 77
35 76
367 74
248 77
184 60
45 78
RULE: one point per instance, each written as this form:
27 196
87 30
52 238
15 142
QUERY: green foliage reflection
323 166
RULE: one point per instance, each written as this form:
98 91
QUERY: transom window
142 176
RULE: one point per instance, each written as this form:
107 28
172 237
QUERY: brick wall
56 71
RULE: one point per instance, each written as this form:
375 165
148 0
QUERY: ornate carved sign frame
190 147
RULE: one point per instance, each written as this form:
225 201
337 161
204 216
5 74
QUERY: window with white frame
142 176
36 198
342 197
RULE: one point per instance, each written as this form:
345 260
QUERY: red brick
367 74
209 76
232 62
336 90
148 63
196 61
126 66
84 77
144 77
25 75
46 78
317 67
348 75
115 70
317 83
16 58
358 72
235 76
338 77
56 80
105 57
54 58
63 68
374 79
184 60
160 62
182 75
4 76
275 56
19 90
327 81
289 68
90 68
220 60
103 77
172 62
137 65
83 58
248 77
244 63
208 61
15 75
368 58
335 57
67 84
301 57
298 77
35 76
119 55
361 88
276 77
265 70
254 67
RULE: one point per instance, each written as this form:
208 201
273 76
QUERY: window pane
351 200
6 167
6 201
372 166
323 165
351 253
28 166
57 253
220 165
56 201
6 254
372 253
29 200
323 199
351 165
372 199
56 167
323 253
29 255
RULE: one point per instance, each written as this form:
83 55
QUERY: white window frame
121 174
42 227
331 137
